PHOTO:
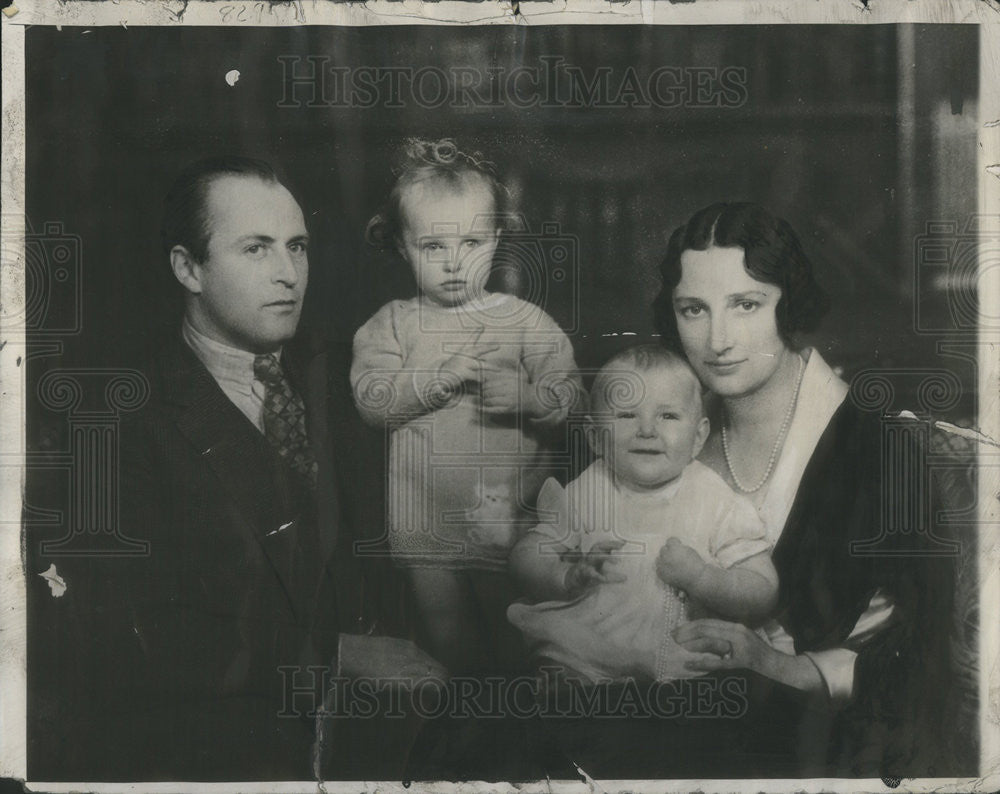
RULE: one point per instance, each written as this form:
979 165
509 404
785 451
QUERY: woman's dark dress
832 557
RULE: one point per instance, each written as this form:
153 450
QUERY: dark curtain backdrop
857 135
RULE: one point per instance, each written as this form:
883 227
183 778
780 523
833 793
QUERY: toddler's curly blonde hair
440 161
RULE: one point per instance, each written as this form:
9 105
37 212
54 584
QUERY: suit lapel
306 368
307 372
238 456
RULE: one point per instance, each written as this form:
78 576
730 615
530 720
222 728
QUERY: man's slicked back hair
185 209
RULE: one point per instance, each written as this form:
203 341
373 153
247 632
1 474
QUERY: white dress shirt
232 369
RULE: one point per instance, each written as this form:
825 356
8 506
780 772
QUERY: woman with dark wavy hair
857 650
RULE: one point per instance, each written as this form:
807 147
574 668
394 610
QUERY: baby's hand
591 568
678 564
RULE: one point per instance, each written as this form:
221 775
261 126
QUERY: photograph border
983 13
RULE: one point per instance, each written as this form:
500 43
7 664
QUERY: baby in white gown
644 537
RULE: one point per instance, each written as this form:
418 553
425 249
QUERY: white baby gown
621 629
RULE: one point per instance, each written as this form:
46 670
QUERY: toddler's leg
447 610
494 592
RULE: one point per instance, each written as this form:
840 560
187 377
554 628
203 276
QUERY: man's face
248 292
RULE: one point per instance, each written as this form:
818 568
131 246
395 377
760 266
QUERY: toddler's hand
678 564
592 568
461 368
466 365
508 390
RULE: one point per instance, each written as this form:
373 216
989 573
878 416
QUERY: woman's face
727 323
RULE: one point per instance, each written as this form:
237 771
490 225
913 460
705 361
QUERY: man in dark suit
200 660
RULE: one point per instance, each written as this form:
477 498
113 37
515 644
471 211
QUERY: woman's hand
735 647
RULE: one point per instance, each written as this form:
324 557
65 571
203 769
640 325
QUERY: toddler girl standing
470 385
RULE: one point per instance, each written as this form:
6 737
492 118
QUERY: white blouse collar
820 395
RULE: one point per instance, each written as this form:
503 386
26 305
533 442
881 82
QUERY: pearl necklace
777 443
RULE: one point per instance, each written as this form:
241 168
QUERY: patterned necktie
285 417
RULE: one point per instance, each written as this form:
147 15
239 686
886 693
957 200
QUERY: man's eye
298 248
433 246
691 311
256 250
748 306
473 243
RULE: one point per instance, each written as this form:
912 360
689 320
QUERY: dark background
859 136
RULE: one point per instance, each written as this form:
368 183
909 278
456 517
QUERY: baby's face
655 436
449 235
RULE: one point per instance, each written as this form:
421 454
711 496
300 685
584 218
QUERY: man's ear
700 436
186 270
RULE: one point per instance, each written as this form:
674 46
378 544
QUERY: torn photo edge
19 15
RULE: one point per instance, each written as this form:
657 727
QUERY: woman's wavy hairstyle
773 254
439 161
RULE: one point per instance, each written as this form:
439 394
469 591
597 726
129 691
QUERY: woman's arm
836 665
740 648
